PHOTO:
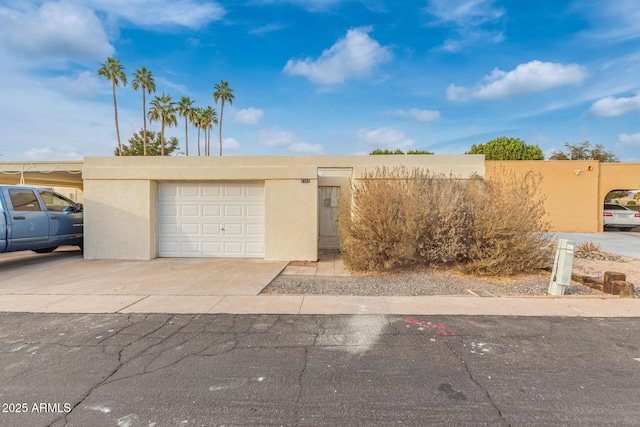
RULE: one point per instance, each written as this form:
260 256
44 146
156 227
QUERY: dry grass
404 218
586 248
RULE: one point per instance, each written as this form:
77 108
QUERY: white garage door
211 220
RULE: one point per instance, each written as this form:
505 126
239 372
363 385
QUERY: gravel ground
427 282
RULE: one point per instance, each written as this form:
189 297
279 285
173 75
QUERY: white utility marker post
562 267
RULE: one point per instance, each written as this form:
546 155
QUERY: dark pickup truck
38 219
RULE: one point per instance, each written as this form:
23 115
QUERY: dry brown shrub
509 233
399 217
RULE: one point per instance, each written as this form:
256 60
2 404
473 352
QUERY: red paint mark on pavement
439 328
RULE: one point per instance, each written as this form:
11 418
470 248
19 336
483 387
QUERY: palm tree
210 118
163 109
196 120
112 70
143 78
224 93
185 109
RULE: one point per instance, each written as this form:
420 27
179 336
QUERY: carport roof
63 174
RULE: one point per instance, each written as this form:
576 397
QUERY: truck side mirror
79 207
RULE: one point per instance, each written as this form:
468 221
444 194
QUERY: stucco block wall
291 220
575 190
569 188
119 219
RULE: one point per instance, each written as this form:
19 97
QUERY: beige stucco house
276 208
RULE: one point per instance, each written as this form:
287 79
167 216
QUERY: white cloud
40 121
419 115
467 17
158 14
56 152
166 85
629 139
83 85
249 116
612 107
385 137
230 144
277 138
534 76
303 147
64 30
353 56
613 21
266 29
465 12
325 5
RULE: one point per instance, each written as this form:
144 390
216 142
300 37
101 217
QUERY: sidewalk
311 304
232 286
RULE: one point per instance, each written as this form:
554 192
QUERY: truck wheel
45 250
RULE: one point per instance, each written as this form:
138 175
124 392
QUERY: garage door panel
233 248
211 190
255 230
255 248
168 229
233 230
167 191
167 211
188 190
212 211
233 211
211 219
255 211
190 247
189 210
232 191
168 247
255 191
211 248
190 229
211 229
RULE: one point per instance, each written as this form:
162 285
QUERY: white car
620 217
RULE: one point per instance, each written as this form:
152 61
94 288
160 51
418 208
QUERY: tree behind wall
584 151
136 145
378 151
504 148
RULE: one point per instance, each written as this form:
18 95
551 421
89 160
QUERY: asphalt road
209 370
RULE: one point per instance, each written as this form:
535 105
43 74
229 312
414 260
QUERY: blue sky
325 76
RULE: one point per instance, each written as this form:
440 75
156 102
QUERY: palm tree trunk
220 127
144 117
186 135
162 138
198 140
115 111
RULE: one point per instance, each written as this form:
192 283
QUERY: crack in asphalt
119 366
145 352
482 387
221 341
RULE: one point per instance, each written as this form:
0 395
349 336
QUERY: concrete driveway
615 242
63 281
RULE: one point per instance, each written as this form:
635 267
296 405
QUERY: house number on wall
305 180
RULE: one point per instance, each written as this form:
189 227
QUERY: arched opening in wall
622 210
